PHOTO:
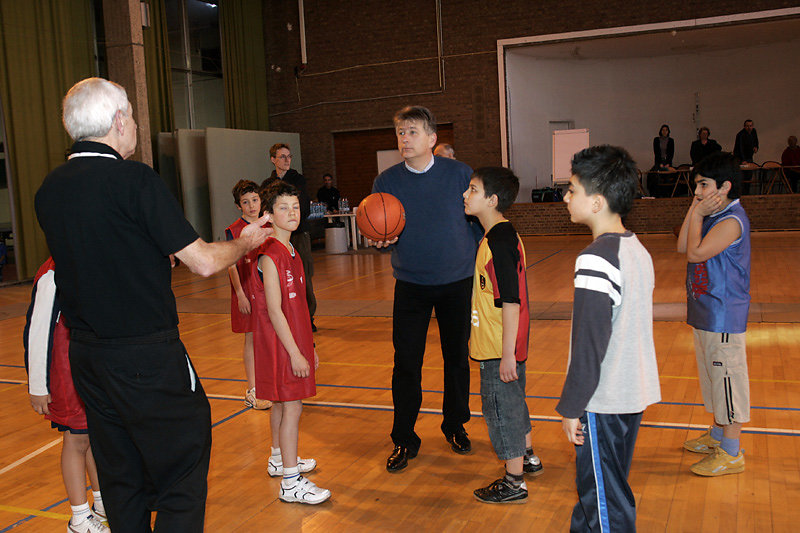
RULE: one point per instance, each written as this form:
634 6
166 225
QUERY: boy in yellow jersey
499 332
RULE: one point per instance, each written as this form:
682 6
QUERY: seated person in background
663 151
328 194
703 146
445 150
791 158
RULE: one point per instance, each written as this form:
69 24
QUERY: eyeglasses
284 156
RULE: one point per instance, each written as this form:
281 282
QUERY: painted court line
434 391
31 513
478 414
30 456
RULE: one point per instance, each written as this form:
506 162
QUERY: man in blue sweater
433 262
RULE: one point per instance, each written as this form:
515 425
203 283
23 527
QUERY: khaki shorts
722 369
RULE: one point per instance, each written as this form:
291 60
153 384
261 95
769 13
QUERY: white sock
80 513
275 454
290 477
97 502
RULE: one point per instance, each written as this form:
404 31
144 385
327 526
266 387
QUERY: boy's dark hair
273 150
721 167
274 190
241 188
499 181
609 171
419 114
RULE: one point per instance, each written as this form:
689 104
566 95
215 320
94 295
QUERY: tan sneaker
705 443
719 463
250 400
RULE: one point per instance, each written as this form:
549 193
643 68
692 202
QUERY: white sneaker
304 491
275 466
100 516
90 525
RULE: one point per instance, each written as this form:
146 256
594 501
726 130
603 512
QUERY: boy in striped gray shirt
612 373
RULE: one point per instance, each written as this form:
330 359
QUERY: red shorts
66 408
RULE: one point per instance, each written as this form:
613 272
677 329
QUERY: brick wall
372 57
773 212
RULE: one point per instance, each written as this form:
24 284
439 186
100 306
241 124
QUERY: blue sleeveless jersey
718 290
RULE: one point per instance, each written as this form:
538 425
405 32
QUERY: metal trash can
336 240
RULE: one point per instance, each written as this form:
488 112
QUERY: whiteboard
567 143
387 158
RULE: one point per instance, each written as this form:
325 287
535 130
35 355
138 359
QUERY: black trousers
302 243
411 316
605 500
150 431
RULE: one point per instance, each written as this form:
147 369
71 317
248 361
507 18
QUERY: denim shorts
505 410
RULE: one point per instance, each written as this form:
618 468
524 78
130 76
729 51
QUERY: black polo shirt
111 225
293 177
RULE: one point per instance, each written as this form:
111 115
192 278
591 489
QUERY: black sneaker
531 464
502 491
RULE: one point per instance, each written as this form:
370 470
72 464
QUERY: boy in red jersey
247 199
285 358
53 395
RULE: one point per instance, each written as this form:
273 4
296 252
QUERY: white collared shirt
423 171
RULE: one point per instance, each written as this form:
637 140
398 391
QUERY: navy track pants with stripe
605 500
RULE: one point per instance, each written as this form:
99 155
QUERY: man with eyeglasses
281 156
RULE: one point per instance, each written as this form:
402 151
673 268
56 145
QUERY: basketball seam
371 225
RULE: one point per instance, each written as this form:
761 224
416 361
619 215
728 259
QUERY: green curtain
46 46
157 70
244 64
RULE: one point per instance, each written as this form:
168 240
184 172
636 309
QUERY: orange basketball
380 217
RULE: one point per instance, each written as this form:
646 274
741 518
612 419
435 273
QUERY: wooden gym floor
345 427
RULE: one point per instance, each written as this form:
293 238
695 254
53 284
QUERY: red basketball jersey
274 378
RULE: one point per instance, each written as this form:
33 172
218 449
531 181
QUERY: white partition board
387 158
233 155
567 143
191 158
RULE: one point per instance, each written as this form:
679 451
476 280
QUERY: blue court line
215 424
23 520
433 391
13 366
557 419
234 415
379 408
543 259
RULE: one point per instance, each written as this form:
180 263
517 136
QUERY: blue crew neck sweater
439 242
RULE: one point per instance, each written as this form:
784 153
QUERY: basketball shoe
90 525
275 465
532 465
719 463
502 491
250 400
304 491
705 443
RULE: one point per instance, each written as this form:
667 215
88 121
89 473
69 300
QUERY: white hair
90 107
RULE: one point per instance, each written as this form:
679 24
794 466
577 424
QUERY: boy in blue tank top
715 236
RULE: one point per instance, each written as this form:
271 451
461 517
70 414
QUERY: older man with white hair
112 227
